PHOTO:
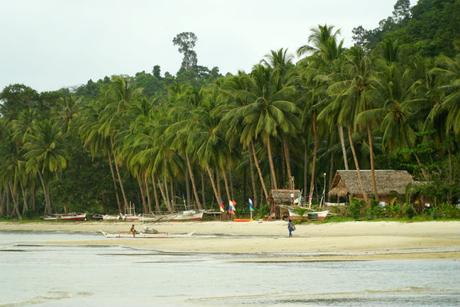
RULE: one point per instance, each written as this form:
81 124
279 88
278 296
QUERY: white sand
311 242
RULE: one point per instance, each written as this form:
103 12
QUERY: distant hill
429 28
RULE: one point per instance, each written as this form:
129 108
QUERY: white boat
107 217
318 215
189 215
312 215
73 217
131 218
153 218
145 235
66 217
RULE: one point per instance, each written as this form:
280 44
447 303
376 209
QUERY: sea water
36 274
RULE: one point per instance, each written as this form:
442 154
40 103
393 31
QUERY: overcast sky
49 44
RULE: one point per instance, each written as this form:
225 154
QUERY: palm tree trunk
230 183
155 195
14 197
218 182
45 193
305 169
253 181
203 192
173 194
33 197
117 170
313 168
2 202
214 188
272 166
187 187
163 195
342 144
261 178
25 206
141 190
192 179
168 199
288 164
227 190
331 173
120 211
371 154
358 171
147 192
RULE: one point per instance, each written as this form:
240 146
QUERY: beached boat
146 235
312 215
107 217
66 217
73 217
189 215
318 215
150 218
131 218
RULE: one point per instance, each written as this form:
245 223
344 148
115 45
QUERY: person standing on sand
133 231
291 227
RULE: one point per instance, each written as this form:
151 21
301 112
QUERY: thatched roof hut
389 182
283 196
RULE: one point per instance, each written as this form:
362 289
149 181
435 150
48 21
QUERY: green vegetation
197 139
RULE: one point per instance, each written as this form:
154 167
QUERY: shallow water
38 275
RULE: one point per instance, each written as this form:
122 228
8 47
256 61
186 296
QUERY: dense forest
192 140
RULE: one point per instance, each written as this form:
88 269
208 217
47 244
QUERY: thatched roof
388 182
285 196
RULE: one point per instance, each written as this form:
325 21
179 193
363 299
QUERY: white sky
49 44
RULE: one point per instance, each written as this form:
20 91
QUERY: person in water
291 227
133 230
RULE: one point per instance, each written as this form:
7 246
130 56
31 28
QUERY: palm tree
394 92
352 97
45 154
283 74
315 71
270 114
449 70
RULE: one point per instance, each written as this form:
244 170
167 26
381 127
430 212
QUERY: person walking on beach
291 227
133 230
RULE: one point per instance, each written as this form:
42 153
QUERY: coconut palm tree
45 154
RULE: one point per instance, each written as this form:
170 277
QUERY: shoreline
267 242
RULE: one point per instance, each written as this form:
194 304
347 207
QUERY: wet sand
268 241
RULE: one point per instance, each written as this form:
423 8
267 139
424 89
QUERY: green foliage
355 208
155 140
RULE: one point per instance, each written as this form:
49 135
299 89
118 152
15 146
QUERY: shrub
355 208
409 210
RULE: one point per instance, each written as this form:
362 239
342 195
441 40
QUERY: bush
262 212
409 210
355 208
375 210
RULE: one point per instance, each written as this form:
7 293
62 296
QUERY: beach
268 241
